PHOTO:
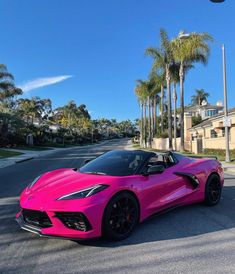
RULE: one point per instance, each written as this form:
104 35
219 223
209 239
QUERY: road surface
193 239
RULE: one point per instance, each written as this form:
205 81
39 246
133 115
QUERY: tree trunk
162 108
181 75
142 125
157 123
175 123
154 115
149 123
168 83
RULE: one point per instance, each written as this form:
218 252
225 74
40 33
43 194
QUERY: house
206 110
210 133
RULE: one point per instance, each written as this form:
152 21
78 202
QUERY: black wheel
213 190
120 217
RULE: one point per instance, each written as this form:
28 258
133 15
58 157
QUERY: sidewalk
31 154
228 168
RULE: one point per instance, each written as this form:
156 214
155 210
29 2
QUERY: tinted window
160 159
178 156
115 163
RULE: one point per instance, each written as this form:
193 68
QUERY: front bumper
37 230
60 227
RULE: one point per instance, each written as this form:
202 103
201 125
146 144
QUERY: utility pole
226 118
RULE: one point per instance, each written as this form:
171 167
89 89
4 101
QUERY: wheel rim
214 191
123 216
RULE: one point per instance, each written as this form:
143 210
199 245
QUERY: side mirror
87 161
155 169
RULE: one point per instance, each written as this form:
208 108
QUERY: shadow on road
183 222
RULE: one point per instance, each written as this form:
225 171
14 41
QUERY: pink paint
154 193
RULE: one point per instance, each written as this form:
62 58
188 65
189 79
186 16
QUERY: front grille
36 218
74 220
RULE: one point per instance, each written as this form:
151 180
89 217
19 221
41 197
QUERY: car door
164 190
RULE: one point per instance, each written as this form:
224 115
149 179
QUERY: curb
24 160
229 167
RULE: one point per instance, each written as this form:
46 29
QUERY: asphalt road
193 239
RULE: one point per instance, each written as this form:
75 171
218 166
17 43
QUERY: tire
120 217
213 190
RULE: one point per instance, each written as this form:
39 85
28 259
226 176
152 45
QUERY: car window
115 163
157 160
161 159
170 161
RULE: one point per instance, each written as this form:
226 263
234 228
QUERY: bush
162 135
220 153
196 120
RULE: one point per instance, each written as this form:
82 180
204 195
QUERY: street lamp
226 118
183 36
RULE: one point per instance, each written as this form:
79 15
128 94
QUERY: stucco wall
218 143
163 143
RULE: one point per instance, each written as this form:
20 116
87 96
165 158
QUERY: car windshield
116 163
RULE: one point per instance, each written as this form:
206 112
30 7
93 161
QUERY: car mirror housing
155 169
87 161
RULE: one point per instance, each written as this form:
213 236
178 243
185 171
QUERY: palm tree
150 92
155 89
8 91
7 88
163 58
141 93
194 49
175 78
200 96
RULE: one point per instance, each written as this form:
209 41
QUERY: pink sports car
111 194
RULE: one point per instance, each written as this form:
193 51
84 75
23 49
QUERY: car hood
52 185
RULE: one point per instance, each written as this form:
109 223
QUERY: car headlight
84 193
34 181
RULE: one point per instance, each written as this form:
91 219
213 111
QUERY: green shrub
196 120
220 153
162 135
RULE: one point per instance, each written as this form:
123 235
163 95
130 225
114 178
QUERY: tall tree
141 93
193 49
199 96
163 58
8 90
175 78
155 82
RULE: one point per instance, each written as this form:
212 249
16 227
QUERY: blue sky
101 45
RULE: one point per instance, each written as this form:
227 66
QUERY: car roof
143 152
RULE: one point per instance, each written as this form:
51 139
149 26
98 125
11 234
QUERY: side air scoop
192 178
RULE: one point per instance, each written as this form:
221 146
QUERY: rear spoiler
205 157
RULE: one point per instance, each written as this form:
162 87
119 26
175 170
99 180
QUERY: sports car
108 196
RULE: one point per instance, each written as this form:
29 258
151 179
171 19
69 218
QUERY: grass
6 153
35 148
49 146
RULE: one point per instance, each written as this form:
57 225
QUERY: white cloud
42 82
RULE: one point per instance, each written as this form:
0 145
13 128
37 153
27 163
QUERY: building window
223 132
211 112
213 134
